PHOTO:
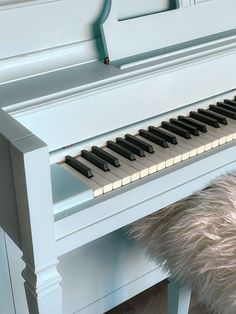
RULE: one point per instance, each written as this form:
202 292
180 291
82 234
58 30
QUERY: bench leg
178 298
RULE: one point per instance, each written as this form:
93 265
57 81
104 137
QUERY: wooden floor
153 301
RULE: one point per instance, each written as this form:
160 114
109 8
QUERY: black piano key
94 159
223 111
132 147
201 126
164 134
106 156
145 146
153 138
230 102
210 121
226 106
221 119
192 129
176 129
79 166
121 150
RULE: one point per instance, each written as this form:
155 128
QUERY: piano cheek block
67 190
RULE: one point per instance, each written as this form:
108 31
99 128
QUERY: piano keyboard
136 156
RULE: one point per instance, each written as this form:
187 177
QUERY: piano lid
181 22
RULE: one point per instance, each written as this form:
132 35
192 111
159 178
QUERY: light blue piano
85 86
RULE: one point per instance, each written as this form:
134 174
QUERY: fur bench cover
195 240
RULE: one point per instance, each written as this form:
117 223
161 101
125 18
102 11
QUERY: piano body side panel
30 162
10 130
26 209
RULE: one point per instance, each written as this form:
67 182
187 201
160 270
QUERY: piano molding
57 97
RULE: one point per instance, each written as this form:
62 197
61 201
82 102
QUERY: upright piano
110 110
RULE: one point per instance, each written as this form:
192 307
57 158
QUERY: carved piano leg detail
31 172
178 298
42 290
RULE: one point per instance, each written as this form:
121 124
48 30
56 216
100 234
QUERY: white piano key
170 160
168 155
153 158
124 176
142 169
232 125
218 133
221 139
180 151
106 184
114 180
134 174
160 163
97 188
201 144
198 143
211 139
146 164
121 174
232 133
152 167
192 146
229 132
231 122
165 154
182 147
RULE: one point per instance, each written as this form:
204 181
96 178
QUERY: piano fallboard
78 104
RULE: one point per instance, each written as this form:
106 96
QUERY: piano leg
42 291
31 173
178 298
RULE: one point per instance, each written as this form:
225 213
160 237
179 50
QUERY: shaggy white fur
195 239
